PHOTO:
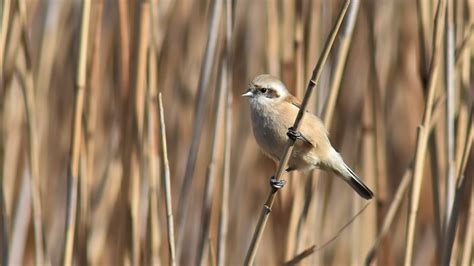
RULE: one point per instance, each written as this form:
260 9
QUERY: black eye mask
267 92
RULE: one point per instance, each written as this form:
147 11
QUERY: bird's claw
277 184
294 135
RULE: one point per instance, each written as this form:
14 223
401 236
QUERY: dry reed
166 184
76 138
29 101
204 79
153 153
423 131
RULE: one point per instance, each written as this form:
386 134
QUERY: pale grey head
265 89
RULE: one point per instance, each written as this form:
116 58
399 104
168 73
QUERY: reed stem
204 80
76 137
167 185
423 132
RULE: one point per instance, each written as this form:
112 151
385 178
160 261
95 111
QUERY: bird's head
266 89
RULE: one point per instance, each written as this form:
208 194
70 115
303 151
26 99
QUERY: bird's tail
356 183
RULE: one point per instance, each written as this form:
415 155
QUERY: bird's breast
270 132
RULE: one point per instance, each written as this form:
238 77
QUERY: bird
273 111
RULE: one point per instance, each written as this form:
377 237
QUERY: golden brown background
133 49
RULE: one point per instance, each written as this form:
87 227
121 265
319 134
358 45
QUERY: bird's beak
248 94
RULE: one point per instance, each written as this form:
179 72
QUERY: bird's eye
263 90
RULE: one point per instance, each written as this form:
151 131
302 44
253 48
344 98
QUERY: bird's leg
296 135
277 184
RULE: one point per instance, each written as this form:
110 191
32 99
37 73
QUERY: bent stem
257 236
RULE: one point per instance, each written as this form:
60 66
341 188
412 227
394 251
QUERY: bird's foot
277 184
295 135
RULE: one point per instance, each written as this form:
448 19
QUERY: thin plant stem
451 223
467 250
464 45
212 254
250 257
227 82
421 10
90 136
4 219
378 118
166 184
434 164
33 146
204 80
301 256
154 169
391 213
342 51
21 223
211 170
449 69
224 199
4 238
293 231
423 132
3 37
76 137
138 151
273 36
128 164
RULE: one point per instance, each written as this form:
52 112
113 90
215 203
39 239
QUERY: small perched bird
273 111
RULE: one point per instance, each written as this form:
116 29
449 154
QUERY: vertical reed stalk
167 186
4 220
379 141
96 67
467 250
126 125
299 49
451 222
205 75
227 81
273 37
421 10
463 122
250 257
6 8
224 200
33 146
76 136
211 170
154 169
4 234
392 211
449 68
21 223
137 152
342 51
423 132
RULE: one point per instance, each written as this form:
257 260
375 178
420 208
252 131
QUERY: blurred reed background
84 173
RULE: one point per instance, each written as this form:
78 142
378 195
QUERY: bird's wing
294 101
312 127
